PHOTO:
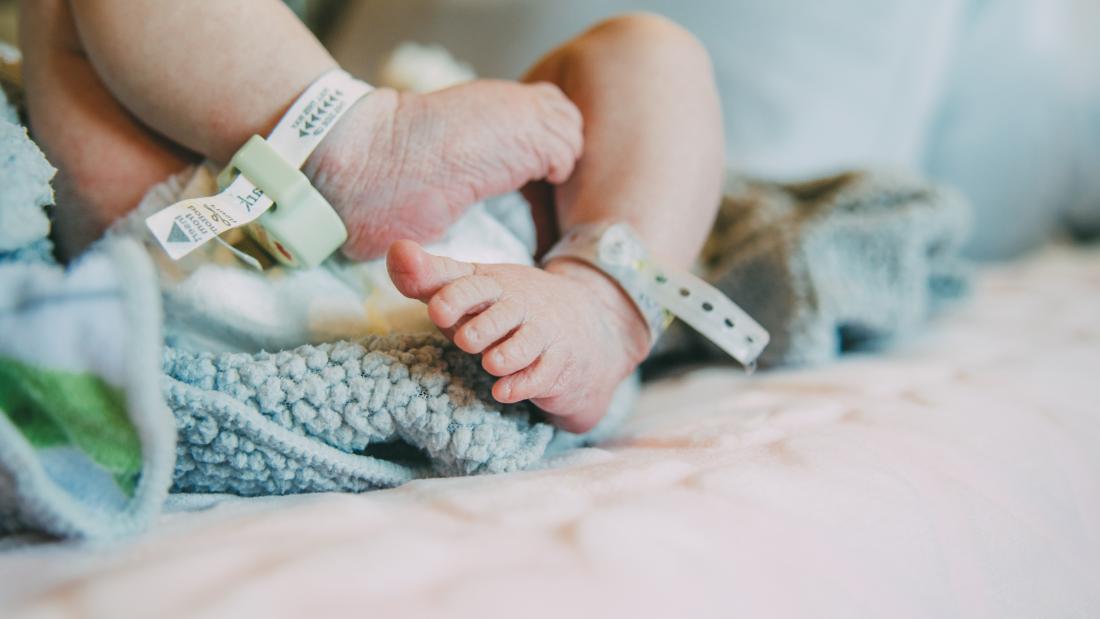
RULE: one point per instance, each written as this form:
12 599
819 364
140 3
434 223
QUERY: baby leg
654 153
653 157
106 159
397 166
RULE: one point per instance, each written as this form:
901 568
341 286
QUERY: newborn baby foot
563 337
406 166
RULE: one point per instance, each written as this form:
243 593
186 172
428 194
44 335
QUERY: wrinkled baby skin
406 166
563 337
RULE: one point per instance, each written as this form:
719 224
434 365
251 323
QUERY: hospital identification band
303 229
661 294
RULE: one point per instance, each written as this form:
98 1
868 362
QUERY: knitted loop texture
342 416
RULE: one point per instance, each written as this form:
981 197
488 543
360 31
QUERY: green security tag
301 229
305 226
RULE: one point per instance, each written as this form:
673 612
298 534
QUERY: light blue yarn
277 423
307 420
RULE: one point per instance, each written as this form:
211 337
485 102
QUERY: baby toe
537 380
516 352
461 297
418 274
489 326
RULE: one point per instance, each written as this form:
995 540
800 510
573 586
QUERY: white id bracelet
302 229
661 294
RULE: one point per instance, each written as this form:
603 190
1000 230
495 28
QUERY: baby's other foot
406 166
563 337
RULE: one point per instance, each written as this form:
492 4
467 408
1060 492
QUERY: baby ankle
635 331
341 165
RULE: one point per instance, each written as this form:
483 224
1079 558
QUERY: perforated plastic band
661 293
188 224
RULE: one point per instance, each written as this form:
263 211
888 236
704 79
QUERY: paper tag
188 224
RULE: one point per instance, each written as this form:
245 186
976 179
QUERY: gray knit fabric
843 262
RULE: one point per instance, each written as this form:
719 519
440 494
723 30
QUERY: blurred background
7 20
1000 98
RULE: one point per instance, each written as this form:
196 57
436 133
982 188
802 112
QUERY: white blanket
956 476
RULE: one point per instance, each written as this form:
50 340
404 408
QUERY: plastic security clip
301 229
304 229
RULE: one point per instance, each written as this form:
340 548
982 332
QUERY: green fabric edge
54 408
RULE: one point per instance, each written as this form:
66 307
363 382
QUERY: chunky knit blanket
348 416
